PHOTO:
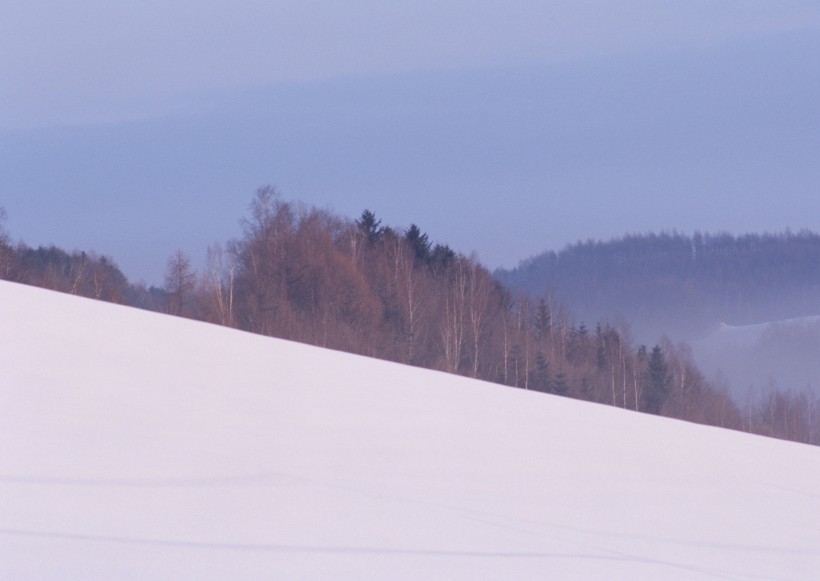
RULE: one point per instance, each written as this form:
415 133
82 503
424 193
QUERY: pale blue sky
507 128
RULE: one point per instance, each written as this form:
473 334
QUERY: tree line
671 282
305 274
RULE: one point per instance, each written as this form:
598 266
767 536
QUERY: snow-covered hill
139 446
784 352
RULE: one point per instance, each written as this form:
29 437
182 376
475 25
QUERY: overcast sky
507 128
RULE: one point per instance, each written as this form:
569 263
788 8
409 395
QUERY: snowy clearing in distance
141 446
749 357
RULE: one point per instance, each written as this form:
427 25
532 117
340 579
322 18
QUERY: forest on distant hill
680 285
304 274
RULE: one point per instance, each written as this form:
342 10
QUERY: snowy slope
138 446
784 352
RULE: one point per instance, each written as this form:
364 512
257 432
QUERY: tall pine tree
658 382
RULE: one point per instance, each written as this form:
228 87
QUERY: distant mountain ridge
671 283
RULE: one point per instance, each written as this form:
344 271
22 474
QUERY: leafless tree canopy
180 283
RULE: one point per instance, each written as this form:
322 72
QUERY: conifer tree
542 321
658 382
370 226
561 385
541 375
419 242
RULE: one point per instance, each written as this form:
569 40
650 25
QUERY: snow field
140 446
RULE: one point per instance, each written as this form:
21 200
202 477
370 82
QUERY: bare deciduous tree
218 284
6 252
180 282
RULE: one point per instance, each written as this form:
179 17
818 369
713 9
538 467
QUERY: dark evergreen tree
586 388
542 320
370 226
419 242
600 356
657 382
560 386
540 379
442 257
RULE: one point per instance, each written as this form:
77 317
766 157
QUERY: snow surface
747 335
784 352
140 446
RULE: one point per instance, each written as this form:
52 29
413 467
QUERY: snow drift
140 446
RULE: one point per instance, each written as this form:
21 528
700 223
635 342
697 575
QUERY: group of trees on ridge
304 274
687 284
